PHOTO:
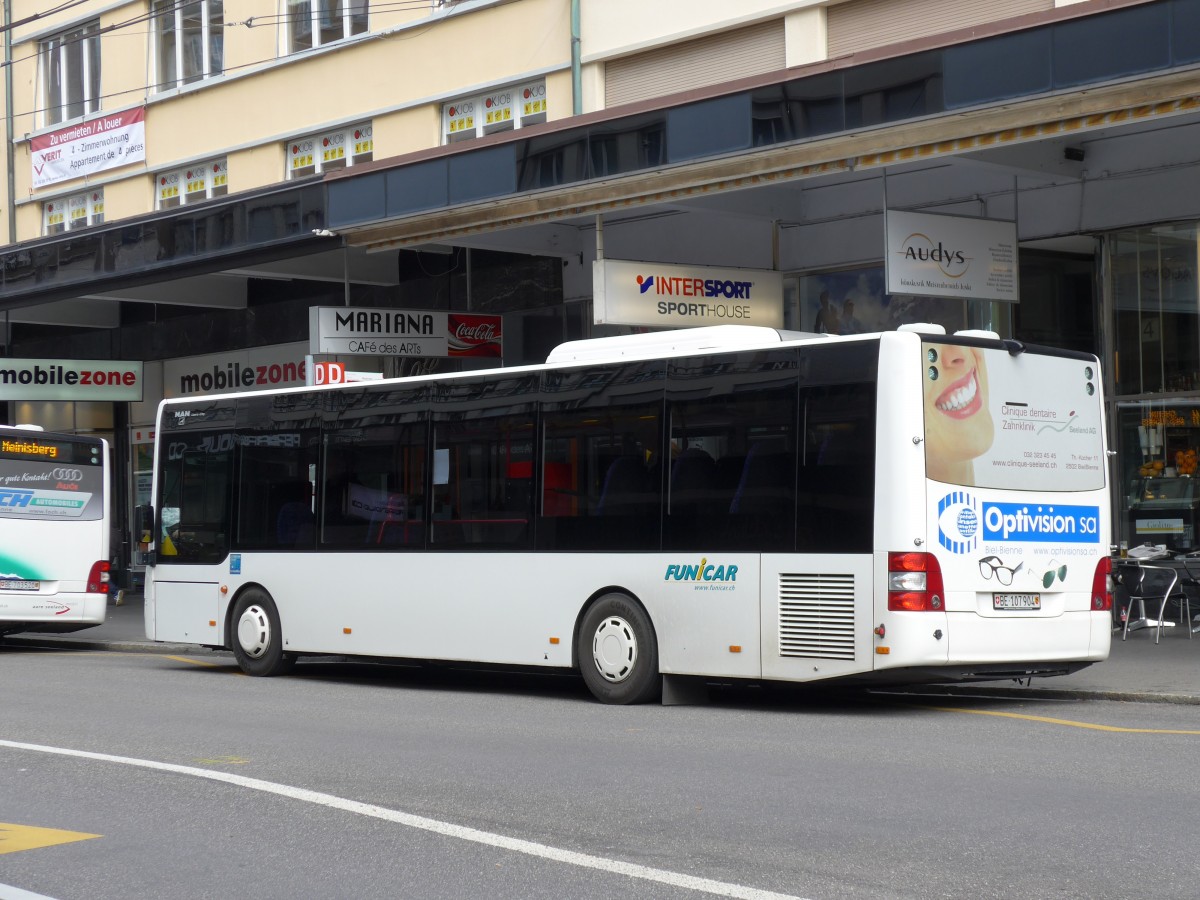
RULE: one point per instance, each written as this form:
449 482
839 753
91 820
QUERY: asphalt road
364 781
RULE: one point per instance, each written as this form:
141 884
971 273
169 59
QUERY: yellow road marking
1050 721
194 662
224 761
14 838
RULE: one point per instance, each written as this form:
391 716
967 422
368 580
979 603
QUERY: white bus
54 530
729 503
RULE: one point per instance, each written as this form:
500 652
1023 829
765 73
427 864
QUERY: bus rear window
1014 422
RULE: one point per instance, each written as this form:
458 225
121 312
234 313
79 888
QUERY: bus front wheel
617 651
257 637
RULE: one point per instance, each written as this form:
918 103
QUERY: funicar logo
701 572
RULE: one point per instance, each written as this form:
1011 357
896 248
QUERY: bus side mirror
143 526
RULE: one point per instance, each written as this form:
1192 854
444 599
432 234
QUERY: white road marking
448 829
8 892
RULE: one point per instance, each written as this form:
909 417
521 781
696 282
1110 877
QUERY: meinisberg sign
672 296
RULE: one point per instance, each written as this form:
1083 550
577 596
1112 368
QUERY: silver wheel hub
614 649
254 631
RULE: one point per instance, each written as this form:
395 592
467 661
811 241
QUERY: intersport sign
672 296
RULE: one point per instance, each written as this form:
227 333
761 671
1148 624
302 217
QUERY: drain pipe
8 123
576 65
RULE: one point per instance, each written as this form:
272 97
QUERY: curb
1064 694
50 641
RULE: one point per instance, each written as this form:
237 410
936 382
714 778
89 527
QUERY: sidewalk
1137 669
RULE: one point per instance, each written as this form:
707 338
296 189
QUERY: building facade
186 182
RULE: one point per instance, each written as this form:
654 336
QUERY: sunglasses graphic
1048 578
991 566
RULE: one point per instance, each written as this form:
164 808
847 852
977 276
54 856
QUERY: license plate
11 584
1016 601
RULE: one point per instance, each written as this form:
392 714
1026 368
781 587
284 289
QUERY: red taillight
98 577
915 583
1102 586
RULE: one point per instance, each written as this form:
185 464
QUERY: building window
191 41
348 146
501 110
70 64
194 183
315 23
74 212
1156 300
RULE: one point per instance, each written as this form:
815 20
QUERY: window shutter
865 24
705 61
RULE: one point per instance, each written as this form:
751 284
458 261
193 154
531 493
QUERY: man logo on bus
958 522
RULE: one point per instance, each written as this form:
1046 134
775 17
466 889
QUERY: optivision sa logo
1041 522
963 521
704 576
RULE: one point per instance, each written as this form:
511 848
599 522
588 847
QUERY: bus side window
836 496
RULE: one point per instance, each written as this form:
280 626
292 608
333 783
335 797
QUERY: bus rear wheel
257 637
618 652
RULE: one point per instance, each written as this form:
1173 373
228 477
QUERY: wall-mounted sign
70 379
951 256
257 369
92 146
366 331
671 296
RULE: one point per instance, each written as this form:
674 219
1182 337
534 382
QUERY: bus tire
618 652
257 638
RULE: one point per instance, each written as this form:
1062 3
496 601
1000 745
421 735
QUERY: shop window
189 41
1158 482
512 107
70 67
339 149
316 23
1156 309
74 212
853 301
191 184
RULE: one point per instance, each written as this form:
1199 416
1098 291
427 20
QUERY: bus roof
654 344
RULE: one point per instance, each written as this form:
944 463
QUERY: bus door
192 540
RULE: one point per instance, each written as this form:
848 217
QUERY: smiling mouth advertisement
1012 422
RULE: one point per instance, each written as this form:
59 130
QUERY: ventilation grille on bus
816 616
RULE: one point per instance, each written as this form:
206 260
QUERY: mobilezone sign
670 296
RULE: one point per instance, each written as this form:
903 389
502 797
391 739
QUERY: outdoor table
1158 580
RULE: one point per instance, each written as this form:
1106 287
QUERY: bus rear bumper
59 613
1082 636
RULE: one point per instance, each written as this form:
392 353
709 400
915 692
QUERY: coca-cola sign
371 331
476 336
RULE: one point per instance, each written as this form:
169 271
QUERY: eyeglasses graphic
1048 578
992 565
